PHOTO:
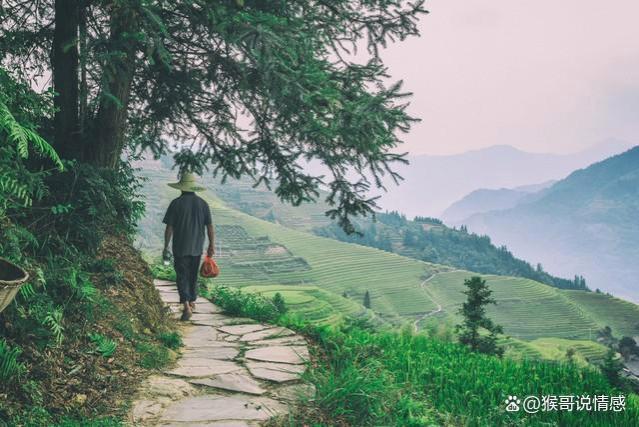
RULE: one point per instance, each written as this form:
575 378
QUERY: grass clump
152 356
171 340
237 303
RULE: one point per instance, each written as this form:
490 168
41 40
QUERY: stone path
231 372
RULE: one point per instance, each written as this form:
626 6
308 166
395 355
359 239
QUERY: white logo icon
512 404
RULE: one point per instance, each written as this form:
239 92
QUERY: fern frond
27 291
12 187
23 137
54 321
10 368
105 346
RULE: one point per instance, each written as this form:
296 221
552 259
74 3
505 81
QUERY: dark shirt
189 215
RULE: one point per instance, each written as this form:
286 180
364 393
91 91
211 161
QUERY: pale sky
544 75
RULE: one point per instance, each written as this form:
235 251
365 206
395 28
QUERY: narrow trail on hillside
231 372
439 308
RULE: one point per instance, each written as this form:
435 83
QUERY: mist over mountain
433 183
486 200
585 224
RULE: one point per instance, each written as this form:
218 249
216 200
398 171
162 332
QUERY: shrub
278 302
172 340
238 303
153 356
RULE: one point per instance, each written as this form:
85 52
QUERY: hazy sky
543 75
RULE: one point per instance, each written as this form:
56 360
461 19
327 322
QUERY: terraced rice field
393 281
622 316
264 204
554 349
527 309
313 303
313 273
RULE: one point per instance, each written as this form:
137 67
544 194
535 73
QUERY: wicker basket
12 278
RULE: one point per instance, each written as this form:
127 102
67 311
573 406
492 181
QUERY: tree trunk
109 126
64 61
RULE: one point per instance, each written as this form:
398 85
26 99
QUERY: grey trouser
186 271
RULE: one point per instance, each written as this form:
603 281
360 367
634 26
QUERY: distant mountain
433 183
484 200
585 224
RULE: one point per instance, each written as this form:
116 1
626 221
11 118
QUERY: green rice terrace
323 280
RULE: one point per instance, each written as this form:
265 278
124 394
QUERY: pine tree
278 302
477 331
253 88
611 368
367 300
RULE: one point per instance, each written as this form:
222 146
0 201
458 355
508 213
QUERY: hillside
315 273
485 200
392 232
584 224
428 239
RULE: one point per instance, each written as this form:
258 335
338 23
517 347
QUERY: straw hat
187 183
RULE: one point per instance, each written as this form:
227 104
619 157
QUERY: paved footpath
231 372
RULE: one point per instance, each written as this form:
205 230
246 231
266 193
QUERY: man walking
186 219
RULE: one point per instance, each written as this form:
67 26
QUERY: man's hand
166 254
210 251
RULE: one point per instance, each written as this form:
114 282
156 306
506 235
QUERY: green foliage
472 332
152 356
10 368
235 302
53 320
172 340
367 299
611 368
104 346
290 66
278 302
164 272
628 347
429 240
20 110
370 377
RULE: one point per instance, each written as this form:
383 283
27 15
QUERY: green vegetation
172 340
429 240
401 289
477 331
394 378
366 376
312 303
106 347
238 303
622 316
10 368
423 238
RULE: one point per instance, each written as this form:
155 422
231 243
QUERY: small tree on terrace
367 300
478 331
628 347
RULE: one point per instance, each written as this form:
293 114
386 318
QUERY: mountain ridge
433 183
583 223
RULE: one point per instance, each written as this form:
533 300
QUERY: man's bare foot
192 305
186 315
186 312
